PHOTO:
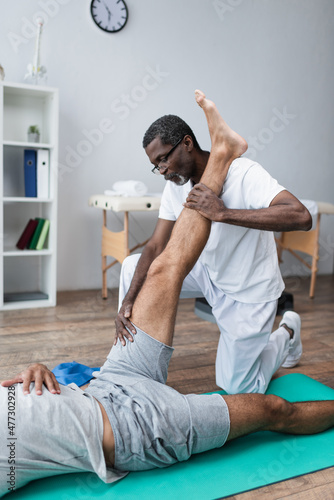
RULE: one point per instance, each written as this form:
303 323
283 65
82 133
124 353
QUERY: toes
199 96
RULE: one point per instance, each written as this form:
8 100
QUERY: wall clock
109 15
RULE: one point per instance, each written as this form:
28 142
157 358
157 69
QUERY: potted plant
33 133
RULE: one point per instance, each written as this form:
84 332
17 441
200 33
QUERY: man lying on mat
128 419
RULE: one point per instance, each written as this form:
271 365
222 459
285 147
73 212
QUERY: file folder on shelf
30 181
37 233
43 235
27 234
42 173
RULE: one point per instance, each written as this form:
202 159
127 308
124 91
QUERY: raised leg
155 307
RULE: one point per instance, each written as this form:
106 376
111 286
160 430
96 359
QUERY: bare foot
221 134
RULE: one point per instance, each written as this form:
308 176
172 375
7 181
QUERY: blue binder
30 177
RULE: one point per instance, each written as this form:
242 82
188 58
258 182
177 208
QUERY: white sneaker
292 320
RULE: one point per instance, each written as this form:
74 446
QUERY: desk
116 244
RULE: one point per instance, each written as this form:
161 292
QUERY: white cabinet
28 277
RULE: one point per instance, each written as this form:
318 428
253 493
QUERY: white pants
249 352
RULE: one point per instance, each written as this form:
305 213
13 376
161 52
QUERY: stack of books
34 234
36 173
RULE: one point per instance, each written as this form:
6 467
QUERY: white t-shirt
242 262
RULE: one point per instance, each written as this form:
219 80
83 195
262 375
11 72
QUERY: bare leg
258 412
155 307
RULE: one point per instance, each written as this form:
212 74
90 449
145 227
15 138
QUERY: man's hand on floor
37 373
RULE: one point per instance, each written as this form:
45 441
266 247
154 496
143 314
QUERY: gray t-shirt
48 435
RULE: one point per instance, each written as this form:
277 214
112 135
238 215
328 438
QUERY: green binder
43 235
37 233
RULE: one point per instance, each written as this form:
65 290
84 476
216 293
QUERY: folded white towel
127 188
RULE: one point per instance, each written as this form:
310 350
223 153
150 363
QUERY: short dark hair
170 129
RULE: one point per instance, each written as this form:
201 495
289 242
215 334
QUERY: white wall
258 59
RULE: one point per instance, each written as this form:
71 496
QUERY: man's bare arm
153 248
285 213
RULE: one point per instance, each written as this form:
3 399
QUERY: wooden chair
306 242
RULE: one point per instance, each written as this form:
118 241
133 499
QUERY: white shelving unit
28 277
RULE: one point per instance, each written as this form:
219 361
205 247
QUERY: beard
178 179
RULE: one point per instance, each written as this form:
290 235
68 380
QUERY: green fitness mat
249 462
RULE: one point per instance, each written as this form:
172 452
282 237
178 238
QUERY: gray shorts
154 425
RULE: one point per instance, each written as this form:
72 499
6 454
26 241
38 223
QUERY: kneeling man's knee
234 385
127 271
130 263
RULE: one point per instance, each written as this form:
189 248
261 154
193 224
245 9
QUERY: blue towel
66 373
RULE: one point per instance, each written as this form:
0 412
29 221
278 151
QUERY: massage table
116 244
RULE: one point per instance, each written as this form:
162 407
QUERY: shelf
30 145
27 304
26 105
28 277
26 253
17 89
24 296
22 199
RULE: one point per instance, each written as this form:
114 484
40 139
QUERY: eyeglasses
156 169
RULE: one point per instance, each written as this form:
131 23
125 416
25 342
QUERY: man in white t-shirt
238 270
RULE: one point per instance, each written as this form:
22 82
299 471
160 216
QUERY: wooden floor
81 328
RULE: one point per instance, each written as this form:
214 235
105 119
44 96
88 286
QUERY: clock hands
109 12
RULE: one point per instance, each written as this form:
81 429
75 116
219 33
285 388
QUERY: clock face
109 15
